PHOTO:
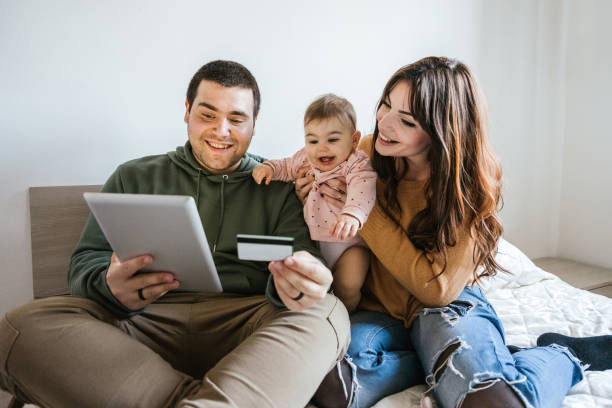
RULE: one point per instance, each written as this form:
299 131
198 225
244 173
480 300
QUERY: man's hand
300 273
263 172
124 284
345 227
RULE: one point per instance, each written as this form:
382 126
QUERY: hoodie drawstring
197 195
223 180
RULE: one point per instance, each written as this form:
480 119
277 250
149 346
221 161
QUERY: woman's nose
384 122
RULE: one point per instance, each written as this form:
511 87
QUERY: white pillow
522 270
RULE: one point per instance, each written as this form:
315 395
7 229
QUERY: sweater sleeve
90 260
291 224
361 188
366 145
416 271
286 169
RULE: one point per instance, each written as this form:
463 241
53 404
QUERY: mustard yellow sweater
401 280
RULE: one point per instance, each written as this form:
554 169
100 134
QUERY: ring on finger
298 297
140 295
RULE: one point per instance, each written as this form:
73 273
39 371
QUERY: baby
331 153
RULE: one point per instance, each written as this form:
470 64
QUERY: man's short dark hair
227 74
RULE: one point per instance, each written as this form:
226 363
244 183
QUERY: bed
560 308
58 214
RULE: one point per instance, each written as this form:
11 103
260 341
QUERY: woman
433 235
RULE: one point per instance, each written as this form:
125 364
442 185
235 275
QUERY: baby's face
329 142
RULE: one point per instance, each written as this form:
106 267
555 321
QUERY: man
124 340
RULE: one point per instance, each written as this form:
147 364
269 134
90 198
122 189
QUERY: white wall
85 86
586 199
523 50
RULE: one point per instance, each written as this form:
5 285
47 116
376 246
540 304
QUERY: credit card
264 247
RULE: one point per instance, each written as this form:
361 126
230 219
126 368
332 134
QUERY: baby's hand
261 172
345 227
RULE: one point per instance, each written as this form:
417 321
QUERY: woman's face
399 134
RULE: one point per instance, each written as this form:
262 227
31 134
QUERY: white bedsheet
530 302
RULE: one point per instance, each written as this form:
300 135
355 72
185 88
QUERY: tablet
165 226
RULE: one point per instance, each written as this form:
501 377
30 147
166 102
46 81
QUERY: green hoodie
228 204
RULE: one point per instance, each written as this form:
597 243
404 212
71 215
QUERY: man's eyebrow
209 106
239 113
234 112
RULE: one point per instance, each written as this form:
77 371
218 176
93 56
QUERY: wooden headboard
57 218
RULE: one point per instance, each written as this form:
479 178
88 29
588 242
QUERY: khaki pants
186 350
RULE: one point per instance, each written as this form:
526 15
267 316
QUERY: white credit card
264 247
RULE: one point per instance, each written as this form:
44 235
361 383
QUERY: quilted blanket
531 301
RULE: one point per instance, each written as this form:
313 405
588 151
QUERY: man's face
220 126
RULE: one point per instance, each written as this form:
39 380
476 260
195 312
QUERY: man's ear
186 118
254 120
356 138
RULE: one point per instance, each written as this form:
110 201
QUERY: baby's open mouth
326 159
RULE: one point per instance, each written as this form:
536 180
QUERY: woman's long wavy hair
464 188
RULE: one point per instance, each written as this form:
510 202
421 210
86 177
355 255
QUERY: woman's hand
303 184
333 191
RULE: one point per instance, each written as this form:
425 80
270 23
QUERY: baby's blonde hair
331 106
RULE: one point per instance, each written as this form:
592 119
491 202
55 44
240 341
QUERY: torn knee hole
485 384
462 303
454 311
442 361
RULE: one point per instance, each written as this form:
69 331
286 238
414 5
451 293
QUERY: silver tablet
167 227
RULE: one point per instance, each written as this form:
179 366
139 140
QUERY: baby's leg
349 274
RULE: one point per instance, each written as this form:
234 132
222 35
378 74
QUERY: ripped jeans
387 358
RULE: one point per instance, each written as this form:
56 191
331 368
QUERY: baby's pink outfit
319 214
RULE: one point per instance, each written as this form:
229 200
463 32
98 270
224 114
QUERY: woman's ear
356 138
